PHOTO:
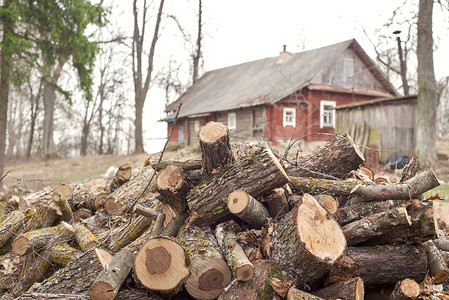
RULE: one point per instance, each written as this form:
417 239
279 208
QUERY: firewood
77 276
442 243
175 224
209 273
376 225
409 189
242 268
185 164
99 201
124 195
306 242
9 271
37 239
10 226
173 187
84 237
61 254
435 263
129 233
315 186
248 209
47 296
84 196
336 158
405 289
109 281
66 210
44 216
351 213
410 169
162 264
328 202
295 294
257 288
256 175
351 289
3 211
277 203
122 175
368 172
64 190
380 264
145 211
158 225
81 214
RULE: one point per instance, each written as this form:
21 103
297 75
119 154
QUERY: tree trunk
406 289
427 100
306 242
351 289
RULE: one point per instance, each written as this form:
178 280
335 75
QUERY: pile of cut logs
239 222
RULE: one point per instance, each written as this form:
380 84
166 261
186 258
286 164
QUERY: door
181 133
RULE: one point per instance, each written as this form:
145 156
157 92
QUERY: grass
442 191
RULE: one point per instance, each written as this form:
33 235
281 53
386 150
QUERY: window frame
327 103
286 123
232 125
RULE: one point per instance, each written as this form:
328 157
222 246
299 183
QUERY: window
348 67
327 113
197 125
232 121
289 116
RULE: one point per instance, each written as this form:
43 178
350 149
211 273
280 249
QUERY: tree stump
162 264
215 148
351 289
173 187
248 209
405 289
307 241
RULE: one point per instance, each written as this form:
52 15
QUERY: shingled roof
264 81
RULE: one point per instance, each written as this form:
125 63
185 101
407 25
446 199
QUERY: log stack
229 225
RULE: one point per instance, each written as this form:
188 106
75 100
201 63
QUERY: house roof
264 81
381 101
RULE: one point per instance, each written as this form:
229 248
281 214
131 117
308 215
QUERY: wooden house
280 98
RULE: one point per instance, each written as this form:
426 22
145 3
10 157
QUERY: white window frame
232 121
286 121
324 103
197 125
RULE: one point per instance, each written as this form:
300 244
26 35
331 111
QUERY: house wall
174 139
192 132
391 126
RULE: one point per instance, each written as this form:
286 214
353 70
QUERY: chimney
283 56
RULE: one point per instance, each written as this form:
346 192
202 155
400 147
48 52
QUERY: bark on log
84 237
410 169
257 288
44 216
380 264
307 241
295 294
405 289
255 175
108 282
86 196
316 186
336 158
409 189
442 243
216 151
351 289
158 225
62 254
329 203
162 264
435 263
77 276
145 211
278 203
64 207
129 233
351 213
81 214
118 201
122 175
47 296
242 268
173 187
209 273
10 226
175 224
376 225
3 211
10 266
185 164
248 209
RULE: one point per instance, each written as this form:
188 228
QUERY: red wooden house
280 98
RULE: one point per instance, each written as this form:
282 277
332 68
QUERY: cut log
129 233
64 190
162 264
118 201
336 158
62 254
44 216
307 241
108 283
175 224
122 175
216 151
328 202
351 289
278 203
256 175
99 201
295 294
405 289
316 186
47 296
257 288
376 225
3 211
248 209
409 189
435 263
145 211
77 276
209 272
240 265
173 187
410 169
10 226
84 237
351 213
380 264
442 243
84 196
34 269
81 214
64 207
158 225
185 164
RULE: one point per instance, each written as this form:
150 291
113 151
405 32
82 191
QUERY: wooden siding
390 125
192 138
